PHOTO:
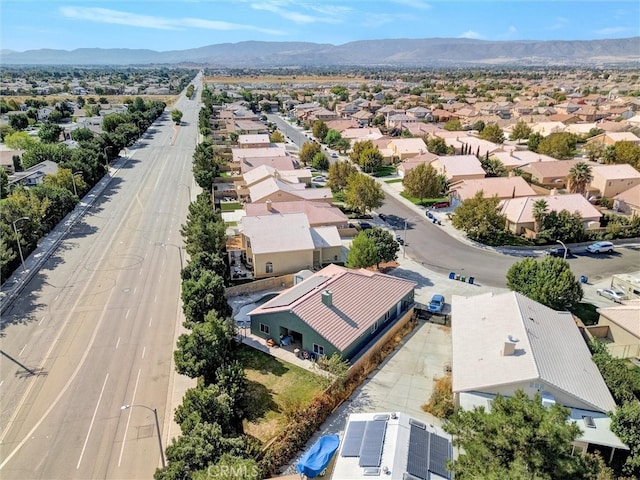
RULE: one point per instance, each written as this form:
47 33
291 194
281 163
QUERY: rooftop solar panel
294 293
372 442
418 454
439 453
353 439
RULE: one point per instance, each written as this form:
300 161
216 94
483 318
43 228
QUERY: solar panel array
294 293
372 442
428 453
353 439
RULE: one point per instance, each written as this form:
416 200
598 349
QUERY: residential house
629 283
547 128
501 187
394 446
519 211
362 134
459 167
399 121
404 148
6 159
319 214
512 158
251 127
278 163
278 244
611 138
325 313
619 327
610 180
254 141
507 342
274 150
420 113
277 190
262 172
628 202
409 164
552 173
34 175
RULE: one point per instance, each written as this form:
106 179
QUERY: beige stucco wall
331 254
283 262
610 188
625 344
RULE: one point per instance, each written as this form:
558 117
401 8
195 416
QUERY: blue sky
180 24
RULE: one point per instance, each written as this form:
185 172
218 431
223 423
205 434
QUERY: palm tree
579 177
540 210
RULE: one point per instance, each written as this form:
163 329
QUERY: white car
600 247
615 295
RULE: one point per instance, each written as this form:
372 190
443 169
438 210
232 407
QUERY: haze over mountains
433 52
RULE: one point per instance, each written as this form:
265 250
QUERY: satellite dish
513 339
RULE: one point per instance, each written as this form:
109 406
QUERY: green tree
20 141
371 159
332 137
560 145
549 281
39 152
480 218
478 126
230 467
339 172
438 146
176 116
202 262
565 226
18 121
492 133
363 252
201 295
204 230
539 211
320 162
50 132
423 182
5 131
110 122
627 152
534 141
453 125
206 349
625 423
277 137
205 166
520 131
518 439
358 148
493 167
363 193
320 130
386 246
623 382
594 150
579 177
342 145
4 184
82 135
204 404
308 151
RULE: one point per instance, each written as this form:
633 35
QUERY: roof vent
509 347
548 400
327 298
588 421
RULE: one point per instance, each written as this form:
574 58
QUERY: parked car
557 252
440 205
436 305
615 295
399 239
365 226
319 179
334 155
600 247
382 217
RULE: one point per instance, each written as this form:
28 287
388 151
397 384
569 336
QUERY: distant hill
436 52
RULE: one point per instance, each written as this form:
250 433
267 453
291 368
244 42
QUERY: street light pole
73 180
188 188
18 240
564 257
155 414
404 244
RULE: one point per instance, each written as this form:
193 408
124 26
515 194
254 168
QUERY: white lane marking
57 296
117 343
150 320
127 315
1 382
25 346
40 322
144 350
135 290
92 420
126 429
155 299
140 272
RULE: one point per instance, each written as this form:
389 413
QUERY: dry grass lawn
275 388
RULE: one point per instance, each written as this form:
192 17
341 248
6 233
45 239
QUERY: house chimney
509 347
269 206
327 298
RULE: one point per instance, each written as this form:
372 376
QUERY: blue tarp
318 457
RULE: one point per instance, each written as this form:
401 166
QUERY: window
268 267
318 349
374 327
264 328
387 316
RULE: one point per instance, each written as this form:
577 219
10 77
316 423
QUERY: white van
600 247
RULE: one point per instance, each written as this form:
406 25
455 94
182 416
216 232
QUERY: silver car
615 295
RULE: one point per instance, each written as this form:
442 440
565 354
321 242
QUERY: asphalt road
94 328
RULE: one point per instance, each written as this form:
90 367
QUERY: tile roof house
459 167
276 190
319 214
409 164
501 187
271 151
278 244
507 342
519 158
254 141
408 449
362 134
552 173
404 148
277 163
628 201
336 310
610 180
519 211
611 138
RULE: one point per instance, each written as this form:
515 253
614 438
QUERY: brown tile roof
359 299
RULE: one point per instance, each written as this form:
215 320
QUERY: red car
440 205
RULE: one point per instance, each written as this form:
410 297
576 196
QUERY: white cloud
104 15
559 23
611 30
470 34
284 9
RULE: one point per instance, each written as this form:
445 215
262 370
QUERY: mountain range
428 52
